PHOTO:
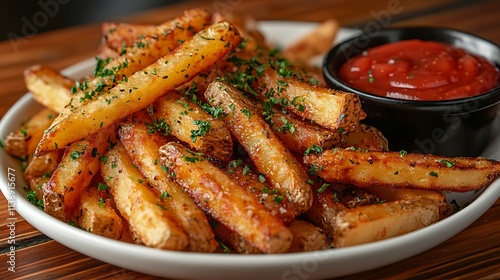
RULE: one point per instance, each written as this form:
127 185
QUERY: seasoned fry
225 200
299 135
367 138
95 213
119 35
381 221
397 169
335 110
314 43
151 223
39 171
143 87
271 158
232 239
306 237
22 142
74 173
48 87
143 147
190 124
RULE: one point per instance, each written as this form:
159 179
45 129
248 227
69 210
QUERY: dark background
24 17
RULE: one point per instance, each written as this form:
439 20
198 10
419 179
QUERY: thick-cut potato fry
151 223
271 158
306 237
367 138
22 142
271 198
381 221
352 196
48 87
393 194
74 173
119 35
143 87
190 124
397 169
314 43
143 147
232 239
225 200
95 212
325 207
299 135
39 171
335 110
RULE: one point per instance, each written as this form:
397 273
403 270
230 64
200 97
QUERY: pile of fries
198 135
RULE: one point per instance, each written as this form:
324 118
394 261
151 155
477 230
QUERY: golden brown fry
48 87
397 169
119 35
22 142
143 147
232 239
314 43
190 124
95 212
39 171
79 164
381 221
306 237
226 201
143 87
299 135
151 223
367 138
255 185
352 196
271 158
335 110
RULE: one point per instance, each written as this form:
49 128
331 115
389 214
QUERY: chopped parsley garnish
31 197
203 128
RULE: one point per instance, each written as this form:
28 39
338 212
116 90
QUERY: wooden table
472 254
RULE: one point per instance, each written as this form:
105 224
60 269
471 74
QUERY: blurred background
36 16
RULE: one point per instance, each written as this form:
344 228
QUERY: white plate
186 265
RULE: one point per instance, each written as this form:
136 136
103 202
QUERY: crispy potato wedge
232 239
271 158
79 164
23 142
367 138
335 110
95 212
143 87
306 237
396 169
119 35
299 135
381 221
225 200
151 223
40 169
190 124
143 147
48 87
313 43
255 185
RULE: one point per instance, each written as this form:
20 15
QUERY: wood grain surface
472 254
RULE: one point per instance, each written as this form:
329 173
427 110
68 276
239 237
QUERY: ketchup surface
420 70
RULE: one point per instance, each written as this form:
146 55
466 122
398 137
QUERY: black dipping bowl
459 127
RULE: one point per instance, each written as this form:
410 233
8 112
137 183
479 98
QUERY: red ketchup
420 70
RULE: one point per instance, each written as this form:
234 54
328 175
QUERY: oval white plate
186 265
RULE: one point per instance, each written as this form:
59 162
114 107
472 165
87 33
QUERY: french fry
119 35
79 164
299 135
143 87
381 221
367 138
232 239
190 124
23 142
225 200
143 147
39 171
352 196
48 87
271 158
151 223
95 212
306 237
397 169
314 43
